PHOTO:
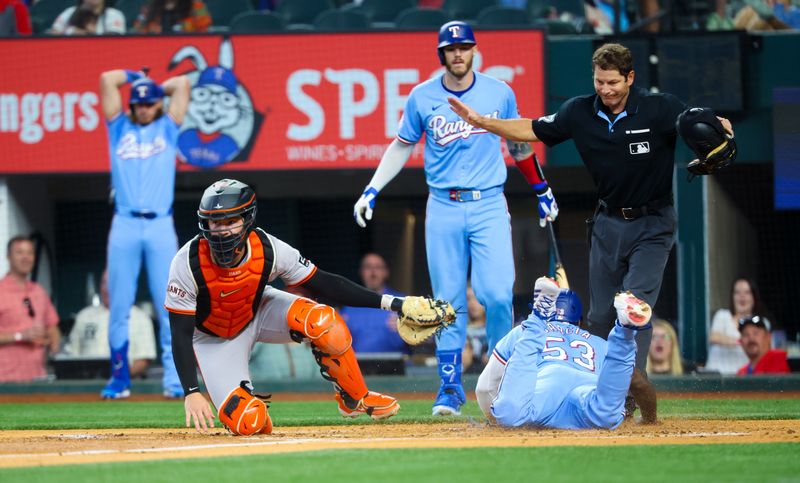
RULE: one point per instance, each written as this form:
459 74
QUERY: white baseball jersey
224 363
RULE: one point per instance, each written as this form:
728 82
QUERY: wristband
540 188
386 302
17 336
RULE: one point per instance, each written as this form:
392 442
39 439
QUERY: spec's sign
259 102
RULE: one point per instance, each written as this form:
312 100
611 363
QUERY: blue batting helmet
455 32
146 91
568 308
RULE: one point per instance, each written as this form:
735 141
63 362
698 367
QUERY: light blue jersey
558 375
143 164
467 225
143 177
458 155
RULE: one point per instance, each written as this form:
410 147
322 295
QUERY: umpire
626 138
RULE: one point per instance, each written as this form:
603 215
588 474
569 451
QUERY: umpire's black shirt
631 158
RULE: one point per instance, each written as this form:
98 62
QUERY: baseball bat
561 273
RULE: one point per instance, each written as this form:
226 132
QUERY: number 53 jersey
570 358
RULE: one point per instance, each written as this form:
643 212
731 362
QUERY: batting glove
364 206
548 208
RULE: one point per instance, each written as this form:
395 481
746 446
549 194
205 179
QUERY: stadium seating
555 27
256 22
223 11
502 17
341 20
541 8
302 11
383 10
466 9
131 10
44 13
421 19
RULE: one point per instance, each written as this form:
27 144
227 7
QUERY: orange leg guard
331 341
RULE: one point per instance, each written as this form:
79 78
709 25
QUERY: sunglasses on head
27 302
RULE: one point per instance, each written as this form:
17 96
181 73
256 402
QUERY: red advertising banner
288 101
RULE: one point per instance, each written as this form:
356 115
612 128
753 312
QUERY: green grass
762 463
126 414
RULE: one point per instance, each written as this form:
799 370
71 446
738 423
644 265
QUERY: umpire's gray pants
628 255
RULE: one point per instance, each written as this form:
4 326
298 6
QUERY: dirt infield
26 448
43 448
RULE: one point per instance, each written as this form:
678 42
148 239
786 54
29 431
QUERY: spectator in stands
89 17
374 330
166 16
14 18
28 320
89 335
756 341
759 15
665 353
725 354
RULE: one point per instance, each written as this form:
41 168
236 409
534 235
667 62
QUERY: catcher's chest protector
228 298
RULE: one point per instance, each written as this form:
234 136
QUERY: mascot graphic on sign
221 123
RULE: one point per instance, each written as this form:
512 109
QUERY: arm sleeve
60 23
342 291
393 160
182 328
554 128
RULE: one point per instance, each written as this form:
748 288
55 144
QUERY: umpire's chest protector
228 298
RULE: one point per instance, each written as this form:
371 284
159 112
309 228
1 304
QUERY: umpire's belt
631 213
147 215
465 195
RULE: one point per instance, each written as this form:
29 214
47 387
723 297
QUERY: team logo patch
640 148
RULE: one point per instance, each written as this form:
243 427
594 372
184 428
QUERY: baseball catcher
221 303
710 140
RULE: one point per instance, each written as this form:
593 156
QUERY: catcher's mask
568 307
455 32
227 198
711 143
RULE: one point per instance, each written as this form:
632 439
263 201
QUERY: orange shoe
376 405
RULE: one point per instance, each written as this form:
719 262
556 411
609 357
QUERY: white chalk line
247 443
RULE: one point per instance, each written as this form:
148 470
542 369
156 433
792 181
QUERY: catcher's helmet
227 198
705 135
455 32
146 91
568 307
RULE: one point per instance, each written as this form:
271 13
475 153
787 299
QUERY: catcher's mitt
422 317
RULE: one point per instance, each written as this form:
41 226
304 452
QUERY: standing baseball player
142 148
220 305
626 138
548 372
467 221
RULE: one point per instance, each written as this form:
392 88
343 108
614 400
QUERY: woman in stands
166 16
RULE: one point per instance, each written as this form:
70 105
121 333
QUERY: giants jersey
565 345
143 163
184 295
458 155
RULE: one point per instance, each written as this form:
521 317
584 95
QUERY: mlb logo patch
640 148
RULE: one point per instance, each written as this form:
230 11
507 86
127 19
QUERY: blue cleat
449 400
116 389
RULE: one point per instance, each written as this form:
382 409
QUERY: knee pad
245 414
321 324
